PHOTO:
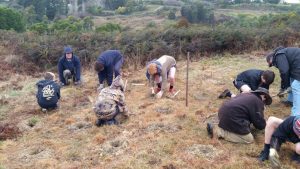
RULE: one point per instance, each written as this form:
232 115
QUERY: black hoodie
48 93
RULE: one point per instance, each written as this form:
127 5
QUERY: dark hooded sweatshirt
48 93
287 60
252 78
73 65
239 112
112 61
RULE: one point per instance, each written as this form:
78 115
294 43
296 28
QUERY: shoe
274 158
44 110
210 130
100 123
264 155
287 103
224 94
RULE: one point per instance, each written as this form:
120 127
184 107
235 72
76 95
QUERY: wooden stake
187 80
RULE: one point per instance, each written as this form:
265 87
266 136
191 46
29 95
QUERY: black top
252 78
48 92
239 112
285 131
287 60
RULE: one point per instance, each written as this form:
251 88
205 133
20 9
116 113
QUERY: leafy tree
196 12
172 15
272 1
11 19
114 4
40 28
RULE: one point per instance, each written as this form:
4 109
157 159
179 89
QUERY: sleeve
60 71
257 118
164 75
78 68
283 66
118 66
58 91
101 77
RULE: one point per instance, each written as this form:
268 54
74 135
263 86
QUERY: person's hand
61 84
282 92
101 86
159 95
152 91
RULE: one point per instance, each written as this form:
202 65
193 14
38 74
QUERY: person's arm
77 68
60 71
58 91
283 66
117 67
164 82
257 118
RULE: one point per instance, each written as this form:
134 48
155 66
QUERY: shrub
95 10
39 27
11 19
109 27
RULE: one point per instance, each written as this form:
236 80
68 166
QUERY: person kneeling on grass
238 113
250 80
48 92
159 73
277 132
69 68
110 106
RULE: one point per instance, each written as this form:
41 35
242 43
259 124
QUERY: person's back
251 77
239 112
110 106
110 57
48 92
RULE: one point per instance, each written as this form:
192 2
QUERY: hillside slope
159 133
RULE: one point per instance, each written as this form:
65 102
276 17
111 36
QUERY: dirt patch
163 128
206 151
9 131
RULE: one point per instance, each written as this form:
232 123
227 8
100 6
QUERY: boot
224 94
264 155
210 130
273 155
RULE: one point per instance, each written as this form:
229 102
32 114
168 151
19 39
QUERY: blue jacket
287 60
73 65
252 78
48 93
110 58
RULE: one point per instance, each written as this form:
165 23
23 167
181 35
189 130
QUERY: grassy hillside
159 133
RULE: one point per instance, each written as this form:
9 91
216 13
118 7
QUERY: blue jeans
294 97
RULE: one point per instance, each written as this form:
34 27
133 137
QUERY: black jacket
285 131
48 93
252 78
287 60
239 112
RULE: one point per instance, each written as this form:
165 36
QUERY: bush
109 27
171 15
11 19
39 27
196 12
95 10
122 10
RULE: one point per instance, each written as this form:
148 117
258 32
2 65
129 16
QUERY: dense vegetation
196 29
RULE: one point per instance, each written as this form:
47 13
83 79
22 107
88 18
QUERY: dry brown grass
159 133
